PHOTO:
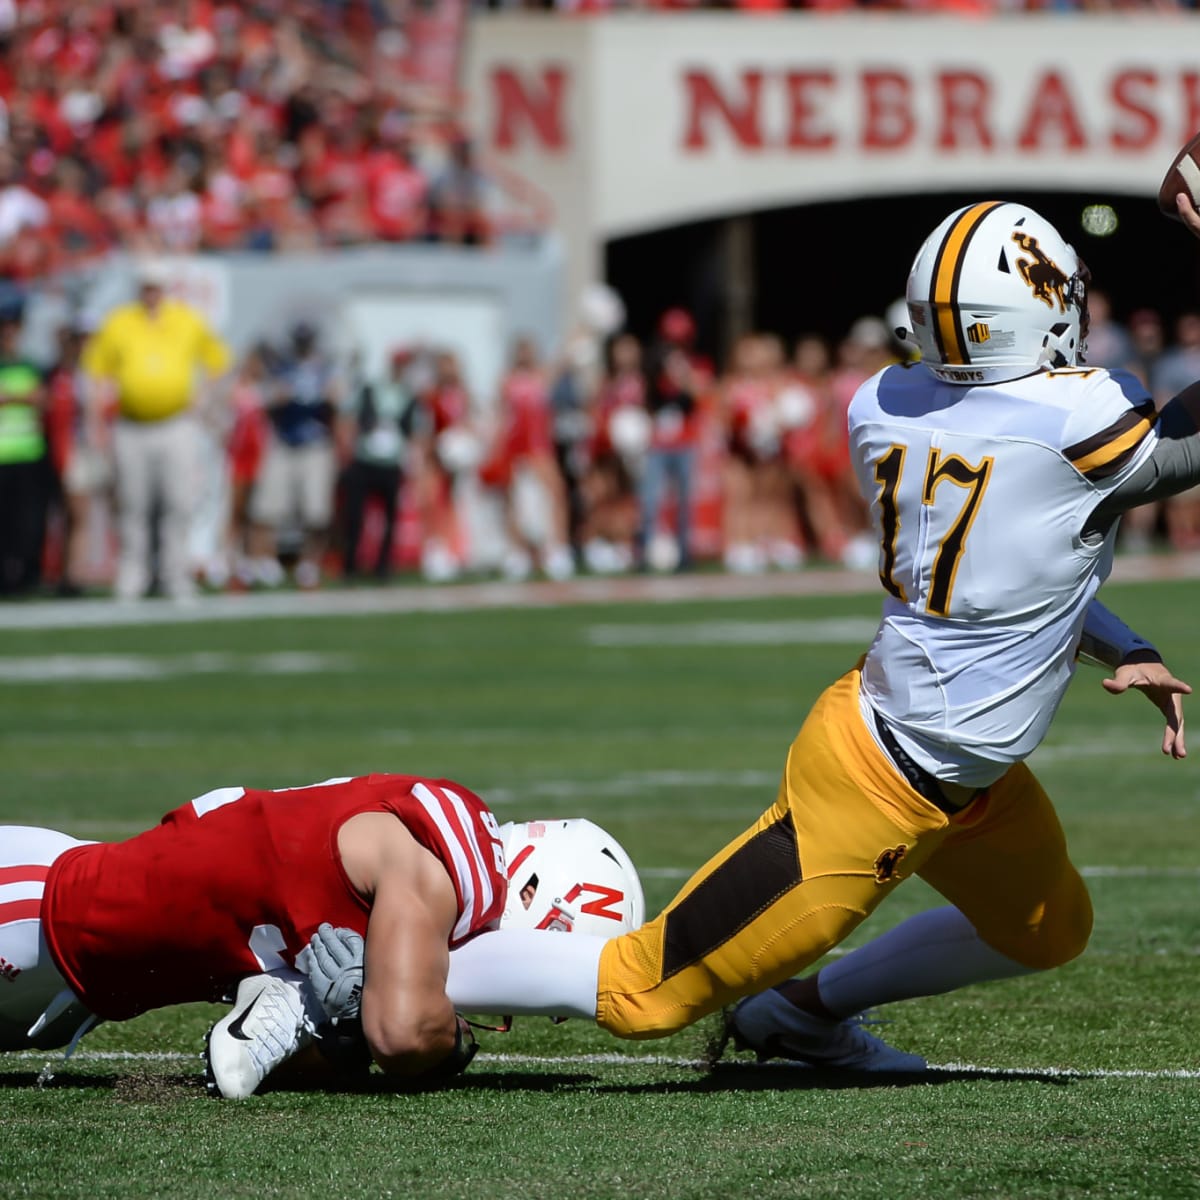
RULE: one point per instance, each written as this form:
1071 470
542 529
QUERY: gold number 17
957 471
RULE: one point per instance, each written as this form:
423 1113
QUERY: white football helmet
995 293
571 876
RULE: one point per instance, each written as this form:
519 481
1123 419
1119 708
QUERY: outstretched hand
1158 685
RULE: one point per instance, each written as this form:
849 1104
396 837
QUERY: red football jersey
236 882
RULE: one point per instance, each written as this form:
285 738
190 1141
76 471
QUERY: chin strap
505 1026
458 1060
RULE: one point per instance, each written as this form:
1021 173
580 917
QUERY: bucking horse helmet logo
1041 273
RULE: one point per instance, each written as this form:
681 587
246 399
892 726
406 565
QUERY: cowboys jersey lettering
980 496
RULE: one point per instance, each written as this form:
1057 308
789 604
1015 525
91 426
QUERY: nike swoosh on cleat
235 1027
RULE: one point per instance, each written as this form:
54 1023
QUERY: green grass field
668 724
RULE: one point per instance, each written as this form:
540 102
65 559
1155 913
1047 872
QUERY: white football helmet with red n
571 876
995 293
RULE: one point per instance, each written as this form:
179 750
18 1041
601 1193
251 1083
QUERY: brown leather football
1183 176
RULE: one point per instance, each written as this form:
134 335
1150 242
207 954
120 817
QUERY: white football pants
29 980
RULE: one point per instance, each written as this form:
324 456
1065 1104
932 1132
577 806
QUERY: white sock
530 972
931 953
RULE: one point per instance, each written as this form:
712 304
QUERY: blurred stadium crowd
174 126
614 455
947 6
201 125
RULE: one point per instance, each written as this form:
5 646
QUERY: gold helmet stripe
947 269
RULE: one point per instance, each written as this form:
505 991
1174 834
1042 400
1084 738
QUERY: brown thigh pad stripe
746 884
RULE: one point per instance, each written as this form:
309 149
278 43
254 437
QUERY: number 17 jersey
979 497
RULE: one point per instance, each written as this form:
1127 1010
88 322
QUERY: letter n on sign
532 102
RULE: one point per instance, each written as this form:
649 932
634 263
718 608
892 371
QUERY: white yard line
416 597
110 668
840 631
648 1060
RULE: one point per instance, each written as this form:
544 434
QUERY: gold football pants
845 829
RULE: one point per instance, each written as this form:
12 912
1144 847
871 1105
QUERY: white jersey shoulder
980 495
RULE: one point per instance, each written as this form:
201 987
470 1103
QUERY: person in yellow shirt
147 356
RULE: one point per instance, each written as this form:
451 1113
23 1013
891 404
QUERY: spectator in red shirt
223 202
814 446
175 215
397 192
78 226
758 532
244 448
671 401
620 439
525 445
131 89
450 448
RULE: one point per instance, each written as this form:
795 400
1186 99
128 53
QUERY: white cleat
267 1025
773 1027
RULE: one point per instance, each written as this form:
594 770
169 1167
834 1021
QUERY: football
1182 176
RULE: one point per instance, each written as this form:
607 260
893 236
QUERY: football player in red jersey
226 892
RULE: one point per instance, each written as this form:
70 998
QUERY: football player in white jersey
997 468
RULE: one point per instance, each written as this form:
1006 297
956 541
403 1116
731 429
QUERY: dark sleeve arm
1172 467
1109 642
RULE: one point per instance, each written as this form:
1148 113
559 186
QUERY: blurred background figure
295 488
571 394
82 472
811 441
244 449
1108 343
377 426
146 357
458 199
523 468
397 190
758 511
25 472
671 398
868 347
1178 368
452 451
621 432
1147 341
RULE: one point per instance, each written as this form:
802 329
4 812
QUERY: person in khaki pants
147 355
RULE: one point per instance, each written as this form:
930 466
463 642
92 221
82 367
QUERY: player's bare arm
408 1021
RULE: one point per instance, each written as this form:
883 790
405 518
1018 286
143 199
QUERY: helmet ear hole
528 891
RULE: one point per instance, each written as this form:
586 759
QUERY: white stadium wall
631 122
366 302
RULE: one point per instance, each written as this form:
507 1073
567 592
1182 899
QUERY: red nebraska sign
950 110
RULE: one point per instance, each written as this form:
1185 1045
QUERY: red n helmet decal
516 862
598 907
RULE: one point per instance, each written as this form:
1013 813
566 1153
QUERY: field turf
668 724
